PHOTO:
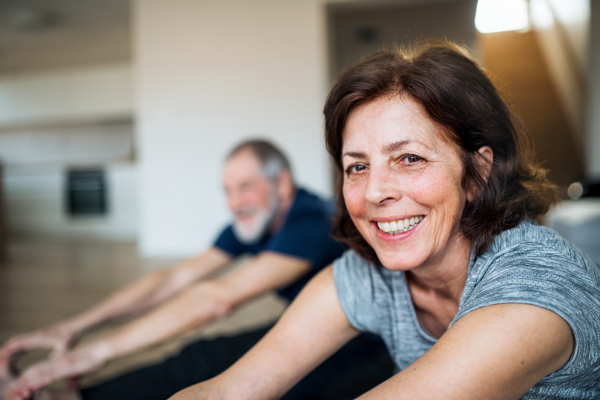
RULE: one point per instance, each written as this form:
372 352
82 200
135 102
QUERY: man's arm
197 306
139 296
206 301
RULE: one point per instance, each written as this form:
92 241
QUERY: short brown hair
456 93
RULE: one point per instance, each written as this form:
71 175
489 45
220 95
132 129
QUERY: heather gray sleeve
354 284
533 273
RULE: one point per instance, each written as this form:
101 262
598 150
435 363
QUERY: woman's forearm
313 328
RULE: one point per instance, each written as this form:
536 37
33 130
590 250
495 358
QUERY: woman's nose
382 188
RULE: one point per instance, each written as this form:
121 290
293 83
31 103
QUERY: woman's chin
395 263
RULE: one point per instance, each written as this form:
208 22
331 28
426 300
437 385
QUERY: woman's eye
411 159
356 168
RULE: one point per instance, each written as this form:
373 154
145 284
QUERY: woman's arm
313 328
495 352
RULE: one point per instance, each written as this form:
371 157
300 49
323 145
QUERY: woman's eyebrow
354 154
388 148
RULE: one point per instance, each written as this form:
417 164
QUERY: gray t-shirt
529 264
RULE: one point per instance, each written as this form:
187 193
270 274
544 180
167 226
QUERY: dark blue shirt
304 234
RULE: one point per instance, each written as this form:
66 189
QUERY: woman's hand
74 363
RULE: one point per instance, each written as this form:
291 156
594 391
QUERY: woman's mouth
400 226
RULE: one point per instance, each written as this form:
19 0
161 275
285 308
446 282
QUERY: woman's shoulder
528 232
536 255
533 243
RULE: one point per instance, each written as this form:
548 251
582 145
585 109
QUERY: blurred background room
116 116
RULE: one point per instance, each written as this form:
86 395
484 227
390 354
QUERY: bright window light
541 14
501 15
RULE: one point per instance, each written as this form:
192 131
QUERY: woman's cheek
354 198
430 187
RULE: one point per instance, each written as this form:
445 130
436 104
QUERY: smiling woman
399 166
451 98
438 198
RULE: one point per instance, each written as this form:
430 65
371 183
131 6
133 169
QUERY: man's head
259 187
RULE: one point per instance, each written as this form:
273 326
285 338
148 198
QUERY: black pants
357 367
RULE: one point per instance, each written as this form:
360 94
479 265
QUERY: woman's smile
396 227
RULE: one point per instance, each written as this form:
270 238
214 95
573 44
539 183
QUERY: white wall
35 203
102 91
209 74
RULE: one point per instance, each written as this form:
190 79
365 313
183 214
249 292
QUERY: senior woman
438 201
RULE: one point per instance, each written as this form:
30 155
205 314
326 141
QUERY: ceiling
42 34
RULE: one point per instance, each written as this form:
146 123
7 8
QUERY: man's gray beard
263 220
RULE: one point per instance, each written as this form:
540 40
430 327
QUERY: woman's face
402 183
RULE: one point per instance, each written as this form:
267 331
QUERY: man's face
251 197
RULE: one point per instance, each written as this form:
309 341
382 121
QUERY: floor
44 281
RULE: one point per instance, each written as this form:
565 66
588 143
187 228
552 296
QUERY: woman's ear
484 164
485 161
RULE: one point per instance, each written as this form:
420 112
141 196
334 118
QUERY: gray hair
272 160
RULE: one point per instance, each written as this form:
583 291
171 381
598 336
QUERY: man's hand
57 338
74 363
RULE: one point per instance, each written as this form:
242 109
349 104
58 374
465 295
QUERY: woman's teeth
403 225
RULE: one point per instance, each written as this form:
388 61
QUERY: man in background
285 227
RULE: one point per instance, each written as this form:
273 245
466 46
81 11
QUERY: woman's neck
447 276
